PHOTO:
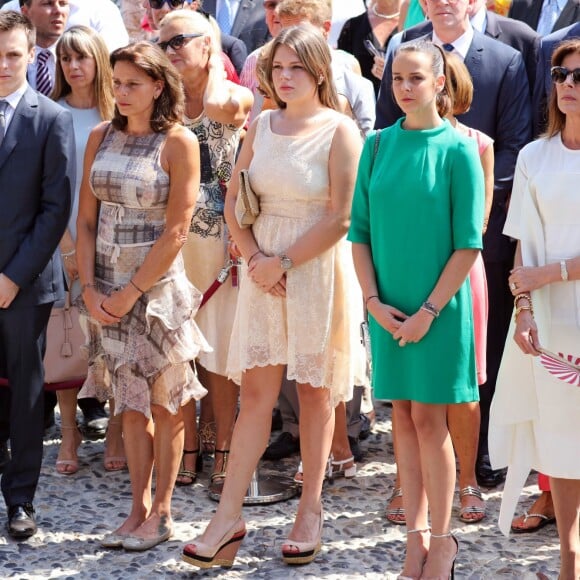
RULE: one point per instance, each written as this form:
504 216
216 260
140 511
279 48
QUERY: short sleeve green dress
423 199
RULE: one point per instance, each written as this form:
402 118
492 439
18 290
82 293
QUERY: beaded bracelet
431 309
89 285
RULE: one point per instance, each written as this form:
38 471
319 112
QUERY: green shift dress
423 201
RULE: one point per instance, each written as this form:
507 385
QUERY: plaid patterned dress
145 358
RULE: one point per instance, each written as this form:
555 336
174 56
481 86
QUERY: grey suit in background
249 24
529 11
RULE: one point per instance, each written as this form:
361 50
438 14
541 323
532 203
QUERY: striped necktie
3 107
224 17
43 80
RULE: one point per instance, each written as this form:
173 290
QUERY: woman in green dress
416 231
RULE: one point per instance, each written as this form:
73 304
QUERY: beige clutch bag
247 203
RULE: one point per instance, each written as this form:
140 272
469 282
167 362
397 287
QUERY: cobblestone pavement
74 512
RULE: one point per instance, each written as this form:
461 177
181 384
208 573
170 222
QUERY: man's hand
8 291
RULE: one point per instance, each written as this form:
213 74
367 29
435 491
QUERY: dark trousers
22 341
501 305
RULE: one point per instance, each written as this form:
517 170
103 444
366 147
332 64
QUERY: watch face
286 262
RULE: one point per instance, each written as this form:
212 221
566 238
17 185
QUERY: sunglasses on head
158 4
559 74
178 41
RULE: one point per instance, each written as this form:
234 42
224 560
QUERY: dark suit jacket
511 32
501 108
529 11
236 51
250 23
543 84
37 175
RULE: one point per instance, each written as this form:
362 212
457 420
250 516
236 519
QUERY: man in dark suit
543 84
511 32
249 20
501 108
530 12
37 161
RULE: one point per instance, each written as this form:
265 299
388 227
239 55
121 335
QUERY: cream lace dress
315 329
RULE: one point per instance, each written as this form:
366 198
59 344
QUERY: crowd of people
204 180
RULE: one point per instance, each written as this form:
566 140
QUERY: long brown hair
88 43
557 119
312 50
168 108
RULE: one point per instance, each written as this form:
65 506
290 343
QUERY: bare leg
167 450
463 420
191 441
138 432
224 397
438 469
316 424
258 395
206 422
395 502
115 458
414 498
71 438
340 445
566 496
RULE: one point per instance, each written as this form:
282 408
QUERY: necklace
385 16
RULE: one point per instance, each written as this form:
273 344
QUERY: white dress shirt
460 45
50 63
13 99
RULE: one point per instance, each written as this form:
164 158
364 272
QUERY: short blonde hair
198 23
317 12
312 50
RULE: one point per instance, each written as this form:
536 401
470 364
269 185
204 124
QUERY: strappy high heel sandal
339 470
222 554
207 434
417 531
112 462
396 515
69 466
449 535
306 551
217 478
477 512
188 473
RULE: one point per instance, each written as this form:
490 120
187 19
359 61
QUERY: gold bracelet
525 295
520 308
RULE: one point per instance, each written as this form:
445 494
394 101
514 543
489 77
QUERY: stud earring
320 79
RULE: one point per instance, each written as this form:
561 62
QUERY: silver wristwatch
285 262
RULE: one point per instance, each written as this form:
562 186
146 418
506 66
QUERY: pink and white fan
564 367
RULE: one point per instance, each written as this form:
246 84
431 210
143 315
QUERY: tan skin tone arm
180 158
223 101
487 162
266 271
527 279
403 327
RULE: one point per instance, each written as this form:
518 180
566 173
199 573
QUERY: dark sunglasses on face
178 41
158 4
559 74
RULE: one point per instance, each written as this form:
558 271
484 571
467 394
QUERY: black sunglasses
559 74
177 42
158 4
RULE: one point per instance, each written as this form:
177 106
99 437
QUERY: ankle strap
447 535
419 531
